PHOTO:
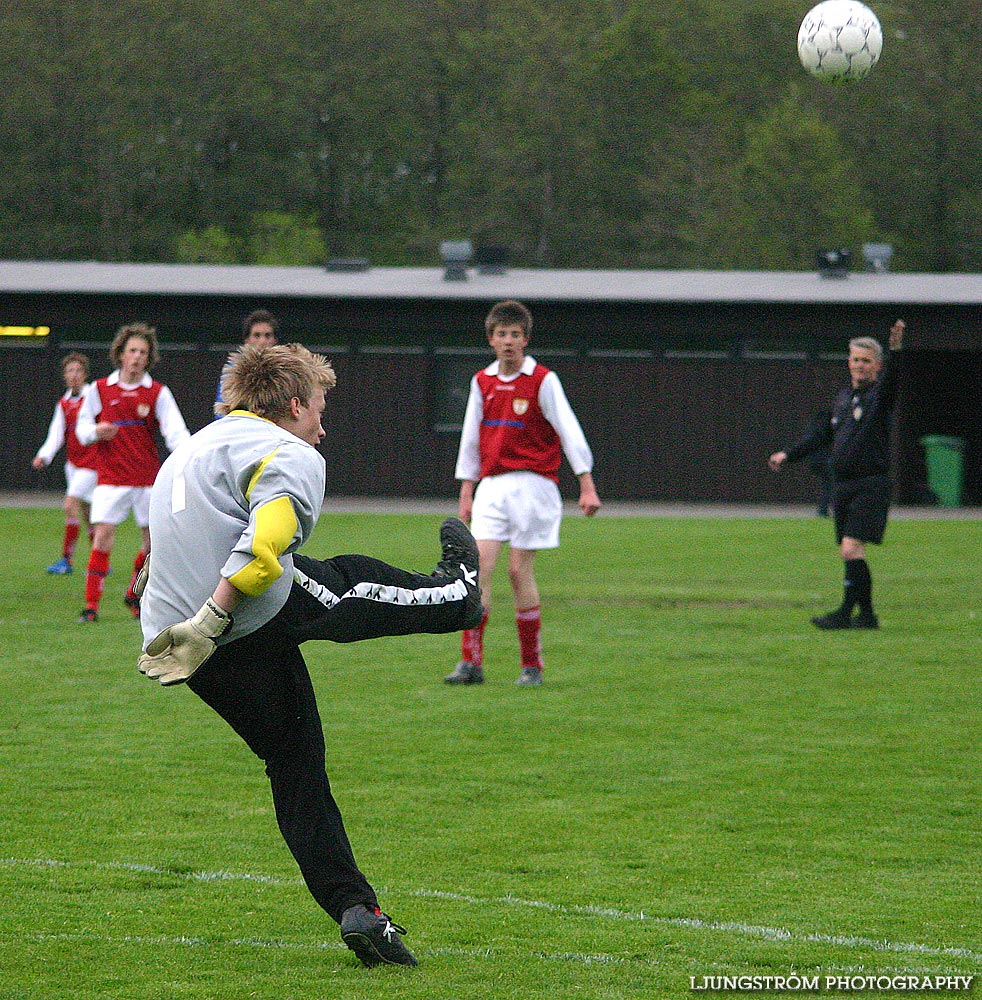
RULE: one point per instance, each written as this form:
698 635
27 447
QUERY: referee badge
519 406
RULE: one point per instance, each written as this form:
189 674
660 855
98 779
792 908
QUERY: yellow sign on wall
24 331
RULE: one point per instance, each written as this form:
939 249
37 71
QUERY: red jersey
130 458
515 434
83 456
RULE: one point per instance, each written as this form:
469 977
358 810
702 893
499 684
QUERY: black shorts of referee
860 507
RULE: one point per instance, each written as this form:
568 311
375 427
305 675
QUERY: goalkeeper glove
174 655
140 583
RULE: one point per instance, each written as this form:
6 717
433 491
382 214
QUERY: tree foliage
600 133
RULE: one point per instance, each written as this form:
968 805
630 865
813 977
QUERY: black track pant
260 685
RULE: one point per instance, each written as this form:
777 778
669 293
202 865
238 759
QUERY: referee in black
858 434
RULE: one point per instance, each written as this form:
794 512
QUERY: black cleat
865 619
133 603
465 673
88 615
372 936
460 562
459 551
530 677
833 620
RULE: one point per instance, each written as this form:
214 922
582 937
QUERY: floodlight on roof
877 257
456 255
491 258
834 263
348 265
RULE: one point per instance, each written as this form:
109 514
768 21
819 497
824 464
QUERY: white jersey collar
145 382
528 366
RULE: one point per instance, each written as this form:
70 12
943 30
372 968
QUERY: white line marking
733 927
607 913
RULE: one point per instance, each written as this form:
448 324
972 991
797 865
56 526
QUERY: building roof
533 285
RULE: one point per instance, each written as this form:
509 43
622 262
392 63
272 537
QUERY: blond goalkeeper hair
263 380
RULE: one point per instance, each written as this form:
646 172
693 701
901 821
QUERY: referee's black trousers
261 686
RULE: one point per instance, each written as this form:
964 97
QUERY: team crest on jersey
142 410
519 406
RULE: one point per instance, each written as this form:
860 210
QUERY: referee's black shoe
865 619
372 936
833 620
461 562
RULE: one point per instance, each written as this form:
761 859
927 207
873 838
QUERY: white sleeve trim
556 409
56 436
172 426
469 452
88 415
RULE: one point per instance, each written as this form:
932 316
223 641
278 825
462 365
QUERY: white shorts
521 508
81 482
112 505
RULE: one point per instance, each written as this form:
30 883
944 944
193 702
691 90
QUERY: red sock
71 537
529 622
141 558
472 642
95 580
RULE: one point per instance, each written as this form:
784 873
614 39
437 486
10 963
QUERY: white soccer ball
840 40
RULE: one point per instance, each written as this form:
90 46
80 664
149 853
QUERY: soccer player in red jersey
517 425
80 473
121 414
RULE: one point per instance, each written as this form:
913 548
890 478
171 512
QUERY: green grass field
705 786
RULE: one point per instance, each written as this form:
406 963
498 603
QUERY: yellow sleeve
275 526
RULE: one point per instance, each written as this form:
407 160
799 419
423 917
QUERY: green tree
797 192
281 239
914 131
211 245
577 132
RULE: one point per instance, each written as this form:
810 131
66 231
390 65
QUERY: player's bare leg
103 540
528 618
73 524
470 668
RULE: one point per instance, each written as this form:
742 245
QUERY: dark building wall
571 325
661 427
941 394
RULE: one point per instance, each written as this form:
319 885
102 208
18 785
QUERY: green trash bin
943 455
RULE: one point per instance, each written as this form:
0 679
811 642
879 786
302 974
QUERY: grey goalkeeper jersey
236 500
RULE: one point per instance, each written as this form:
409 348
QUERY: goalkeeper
228 601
